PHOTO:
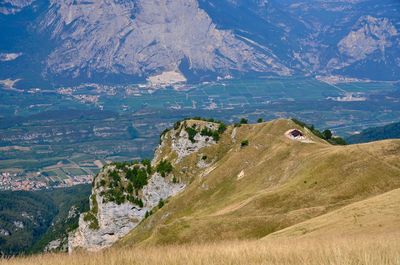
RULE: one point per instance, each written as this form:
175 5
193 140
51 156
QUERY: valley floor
366 250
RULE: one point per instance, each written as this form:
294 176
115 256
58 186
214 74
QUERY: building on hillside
296 134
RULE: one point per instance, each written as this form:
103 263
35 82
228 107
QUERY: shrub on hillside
92 220
115 176
130 189
327 134
164 168
102 183
135 200
210 133
177 125
221 128
337 141
191 133
147 164
161 203
138 177
148 213
244 143
95 206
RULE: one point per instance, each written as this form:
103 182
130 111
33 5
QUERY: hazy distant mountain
355 38
129 39
390 131
144 37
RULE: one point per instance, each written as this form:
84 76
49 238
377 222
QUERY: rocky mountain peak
177 41
125 193
141 37
368 35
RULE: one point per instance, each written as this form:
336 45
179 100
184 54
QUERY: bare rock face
158 189
117 220
368 36
169 41
180 142
11 7
59 244
111 218
183 146
141 37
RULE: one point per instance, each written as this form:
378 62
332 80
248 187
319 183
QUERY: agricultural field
56 135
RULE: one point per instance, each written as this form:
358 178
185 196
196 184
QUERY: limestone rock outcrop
146 37
116 220
123 194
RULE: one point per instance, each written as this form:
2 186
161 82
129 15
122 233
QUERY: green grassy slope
275 182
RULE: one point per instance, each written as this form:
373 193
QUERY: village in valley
53 138
15 182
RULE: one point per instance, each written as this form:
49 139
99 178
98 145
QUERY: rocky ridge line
124 194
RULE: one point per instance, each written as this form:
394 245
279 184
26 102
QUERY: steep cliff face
199 39
324 37
113 220
143 37
370 35
126 193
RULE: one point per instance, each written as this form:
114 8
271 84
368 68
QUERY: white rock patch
240 175
184 147
115 221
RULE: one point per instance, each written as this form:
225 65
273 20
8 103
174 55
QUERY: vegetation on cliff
122 182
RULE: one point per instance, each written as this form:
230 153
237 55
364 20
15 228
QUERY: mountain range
64 41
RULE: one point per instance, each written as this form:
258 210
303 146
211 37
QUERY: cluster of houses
10 181
13 182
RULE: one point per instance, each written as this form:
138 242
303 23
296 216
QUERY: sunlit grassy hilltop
273 183
273 201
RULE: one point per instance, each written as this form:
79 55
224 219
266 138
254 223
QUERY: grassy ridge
273 183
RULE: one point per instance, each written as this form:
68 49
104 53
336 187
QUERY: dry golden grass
283 183
376 215
336 251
